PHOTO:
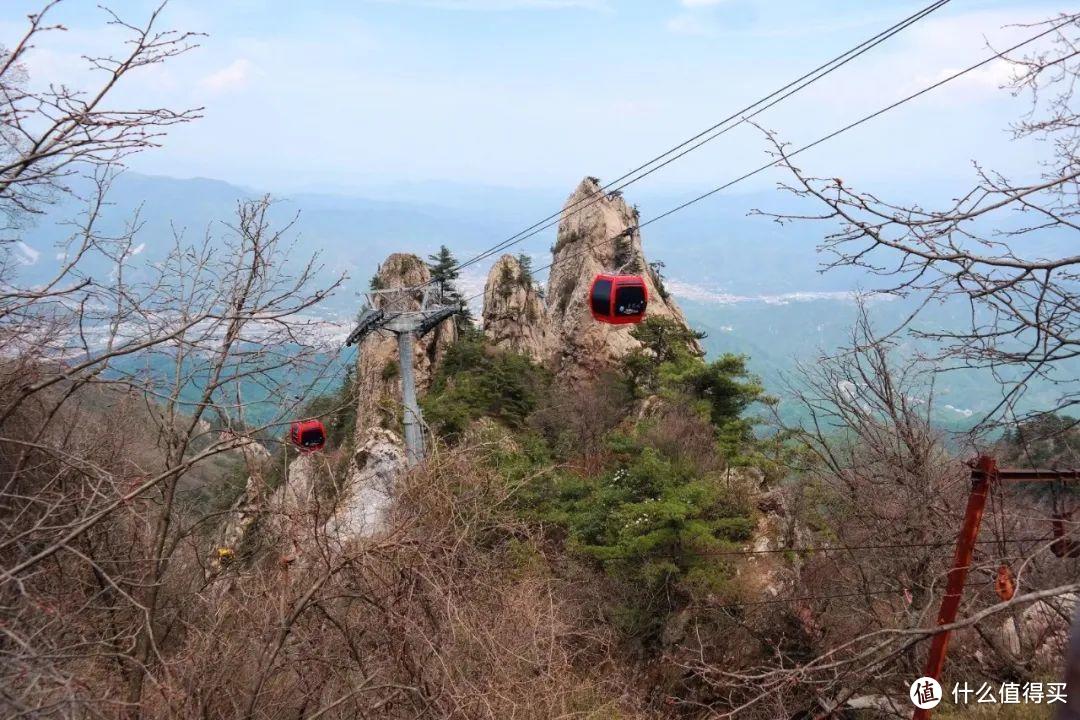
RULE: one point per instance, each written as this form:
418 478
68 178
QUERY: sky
343 95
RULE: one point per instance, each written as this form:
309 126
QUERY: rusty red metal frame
984 472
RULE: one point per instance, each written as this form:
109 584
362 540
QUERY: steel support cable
709 134
811 145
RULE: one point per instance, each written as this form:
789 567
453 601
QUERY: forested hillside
504 484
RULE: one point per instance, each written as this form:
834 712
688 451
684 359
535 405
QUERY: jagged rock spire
597 233
378 384
378 458
514 314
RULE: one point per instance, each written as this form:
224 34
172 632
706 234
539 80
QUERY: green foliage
668 366
524 558
217 496
656 524
656 272
275 469
443 268
724 384
526 278
506 281
476 380
1045 440
1042 441
649 504
658 512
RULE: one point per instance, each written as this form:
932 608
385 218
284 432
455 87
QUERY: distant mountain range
755 286
712 245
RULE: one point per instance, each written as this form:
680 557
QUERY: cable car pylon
388 310
985 474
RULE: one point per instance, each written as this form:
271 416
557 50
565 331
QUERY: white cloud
137 249
29 255
701 3
702 294
231 77
986 81
397 73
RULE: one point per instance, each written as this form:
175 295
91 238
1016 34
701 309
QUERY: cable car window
601 297
630 300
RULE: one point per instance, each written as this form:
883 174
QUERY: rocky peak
597 233
401 270
378 379
514 314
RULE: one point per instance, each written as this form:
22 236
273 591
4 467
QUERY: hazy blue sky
333 94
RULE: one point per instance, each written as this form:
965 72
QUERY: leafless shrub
882 497
52 135
878 474
579 418
454 612
100 428
989 247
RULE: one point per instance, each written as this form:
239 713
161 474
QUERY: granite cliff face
379 457
377 374
515 317
597 233
370 486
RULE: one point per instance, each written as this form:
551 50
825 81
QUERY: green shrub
476 380
657 525
667 365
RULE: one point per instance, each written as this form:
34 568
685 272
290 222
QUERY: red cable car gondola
618 299
307 435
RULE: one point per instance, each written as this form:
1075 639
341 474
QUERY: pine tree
526 277
656 270
443 268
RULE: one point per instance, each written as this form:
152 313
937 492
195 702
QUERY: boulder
368 491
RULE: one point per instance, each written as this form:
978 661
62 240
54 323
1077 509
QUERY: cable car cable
819 141
784 92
